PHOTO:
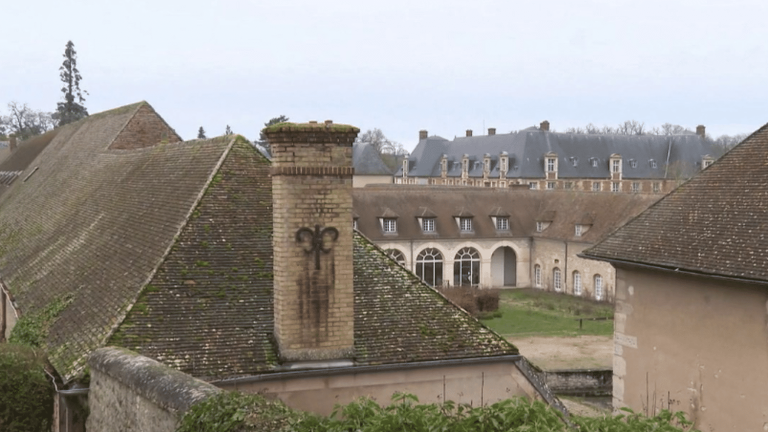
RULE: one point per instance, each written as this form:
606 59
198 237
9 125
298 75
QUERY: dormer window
502 223
633 163
503 165
389 225
594 162
551 164
652 163
444 165
465 224
354 223
542 225
405 167
578 230
616 166
428 225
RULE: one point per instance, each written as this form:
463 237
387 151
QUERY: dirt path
581 352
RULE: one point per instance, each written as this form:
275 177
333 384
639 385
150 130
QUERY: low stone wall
133 393
580 382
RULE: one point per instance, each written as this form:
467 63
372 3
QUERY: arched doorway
504 267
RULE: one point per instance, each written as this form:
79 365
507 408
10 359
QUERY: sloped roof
208 310
643 156
26 152
166 248
606 211
93 224
715 224
367 161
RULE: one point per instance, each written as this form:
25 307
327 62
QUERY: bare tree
25 122
383 145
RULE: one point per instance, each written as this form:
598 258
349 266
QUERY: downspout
565 278
666 165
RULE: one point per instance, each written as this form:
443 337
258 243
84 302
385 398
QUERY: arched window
397 256
576 283
537 276
557 280
598 287
429 266
466 267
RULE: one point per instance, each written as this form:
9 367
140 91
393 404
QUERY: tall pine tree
201 133
72 109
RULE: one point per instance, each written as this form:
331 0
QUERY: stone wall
580 382
132 393
145 129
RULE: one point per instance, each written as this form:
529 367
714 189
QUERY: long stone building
494 237
545 160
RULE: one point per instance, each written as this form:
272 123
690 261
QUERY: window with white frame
533 185
708 163
576 283
465 224
389 225
466 267
594 162
635 187
537 276
557 280
540 226
579 230
656 187
428 225
550 164
503 165
652 163
598 287
633 163
616 165
396 255
550 185
595 186
429 266
615 186
502 223
354 223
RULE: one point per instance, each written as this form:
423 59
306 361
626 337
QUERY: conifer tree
201 133
228 131
72 109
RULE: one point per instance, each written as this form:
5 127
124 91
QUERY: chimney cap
544 125
469 132
491 131
701 130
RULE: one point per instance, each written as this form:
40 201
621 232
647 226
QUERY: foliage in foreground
239 413
26 394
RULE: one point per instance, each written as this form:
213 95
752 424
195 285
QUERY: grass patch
532 312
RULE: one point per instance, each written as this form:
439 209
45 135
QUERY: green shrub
238 412
476 301
26 393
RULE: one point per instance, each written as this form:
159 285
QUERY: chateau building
544 160
494 237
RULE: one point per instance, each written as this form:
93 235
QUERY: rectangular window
539 226
550 164
653 163
656 187
568 185
633 163
533 185
502 223
615 187
616 165
595 186
428 224
594 163
707 163
390 225
550 185
465 224
635 187
558 282
578 230
354 223
537 276
503 165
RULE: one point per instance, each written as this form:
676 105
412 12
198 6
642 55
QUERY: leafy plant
32 328
26 394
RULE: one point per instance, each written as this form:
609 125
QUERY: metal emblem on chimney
314 240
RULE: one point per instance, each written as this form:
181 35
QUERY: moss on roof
309 127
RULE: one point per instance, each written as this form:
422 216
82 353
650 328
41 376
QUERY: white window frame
503 165
633 163
465 224
557 279
354 223
389 225
598 287
656 187
502 223
615 165
635 187
539 226
551 185
428 225
653 163
576 283
595 186
594 163
578 230
537 276
615 187
550 164
533 185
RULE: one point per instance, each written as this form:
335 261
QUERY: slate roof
643 157
714 224
606 211
367 161
166 249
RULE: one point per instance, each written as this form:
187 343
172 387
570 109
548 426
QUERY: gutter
363 369
670 269
70 392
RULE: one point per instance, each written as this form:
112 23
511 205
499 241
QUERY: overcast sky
401 66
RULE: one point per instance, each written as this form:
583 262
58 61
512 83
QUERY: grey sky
401 66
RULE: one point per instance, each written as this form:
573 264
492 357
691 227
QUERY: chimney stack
701 131
544 126
469 132
12 144
422 134
312 240
491 131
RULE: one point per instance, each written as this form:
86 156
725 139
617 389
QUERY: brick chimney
544 126
491 131
12 144
469 132
701 131
312 240
422 134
